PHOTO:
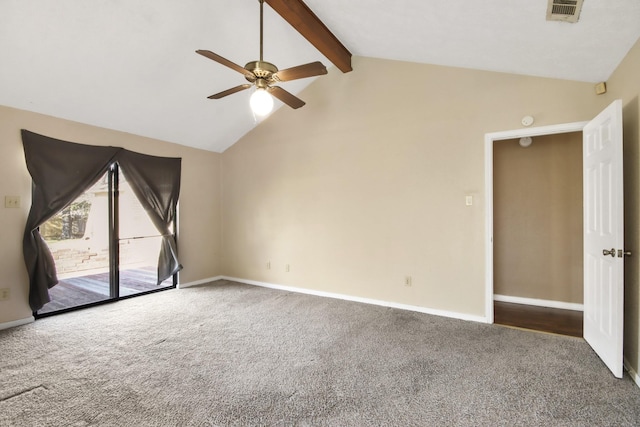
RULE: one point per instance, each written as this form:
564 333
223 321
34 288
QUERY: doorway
490 139
538 232
603 235
104 246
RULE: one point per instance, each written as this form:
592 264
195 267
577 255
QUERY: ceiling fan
263 75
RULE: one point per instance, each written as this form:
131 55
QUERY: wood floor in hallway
557 321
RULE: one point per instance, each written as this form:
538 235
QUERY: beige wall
366 184
625 84
537 218
199 216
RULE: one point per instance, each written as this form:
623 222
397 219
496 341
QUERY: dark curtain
62 171
156 183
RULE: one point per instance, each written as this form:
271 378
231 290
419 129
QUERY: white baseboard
539 302
443 313
633 374
15 323
198 282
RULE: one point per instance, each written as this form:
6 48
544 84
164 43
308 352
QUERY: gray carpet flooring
228 354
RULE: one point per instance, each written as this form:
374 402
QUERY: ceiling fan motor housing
261 69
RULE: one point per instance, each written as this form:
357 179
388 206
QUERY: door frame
113 231
489 140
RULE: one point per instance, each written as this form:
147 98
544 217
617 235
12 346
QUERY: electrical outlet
407 281
4 294
11 201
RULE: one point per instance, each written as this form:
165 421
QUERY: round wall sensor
525 141
527 121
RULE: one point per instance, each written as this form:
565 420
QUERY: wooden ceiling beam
300 17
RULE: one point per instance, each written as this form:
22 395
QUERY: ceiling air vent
564 10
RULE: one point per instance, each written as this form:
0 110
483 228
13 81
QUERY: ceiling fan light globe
261 102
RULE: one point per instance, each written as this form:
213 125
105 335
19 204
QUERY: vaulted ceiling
131 65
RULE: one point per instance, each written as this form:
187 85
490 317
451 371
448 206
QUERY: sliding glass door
104 245
78 237
138 245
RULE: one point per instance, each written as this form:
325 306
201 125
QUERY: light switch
11 201
468 200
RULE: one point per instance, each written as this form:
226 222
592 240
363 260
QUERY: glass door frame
114 249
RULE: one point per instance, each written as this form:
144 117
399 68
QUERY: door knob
622 253
612 252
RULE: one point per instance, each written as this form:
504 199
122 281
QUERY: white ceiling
131 65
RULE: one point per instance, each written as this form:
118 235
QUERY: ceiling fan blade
300 72
286 97
230 91
219 59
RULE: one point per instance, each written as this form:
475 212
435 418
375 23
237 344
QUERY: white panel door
603 236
